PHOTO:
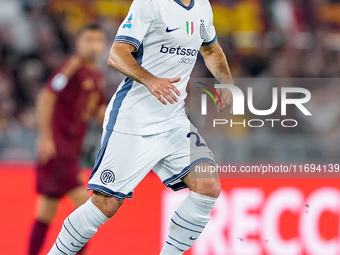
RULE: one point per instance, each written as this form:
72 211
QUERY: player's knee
47 209
46 218
210 187
107 205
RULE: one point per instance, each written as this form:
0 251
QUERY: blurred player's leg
79 196
46 210
82 224
192 215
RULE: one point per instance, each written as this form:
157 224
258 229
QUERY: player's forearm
121 59
45 108
217 64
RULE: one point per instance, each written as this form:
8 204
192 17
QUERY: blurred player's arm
216 62
101 114
121 59
45 107
101 108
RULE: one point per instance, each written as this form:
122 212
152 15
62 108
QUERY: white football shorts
125 159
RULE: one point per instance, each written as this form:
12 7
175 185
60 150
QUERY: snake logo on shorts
107 176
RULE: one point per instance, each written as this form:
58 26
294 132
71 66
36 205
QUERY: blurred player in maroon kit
73 95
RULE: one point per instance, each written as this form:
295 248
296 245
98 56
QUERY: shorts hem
107 192
184 172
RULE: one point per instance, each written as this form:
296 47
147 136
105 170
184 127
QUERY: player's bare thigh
204 184
107 205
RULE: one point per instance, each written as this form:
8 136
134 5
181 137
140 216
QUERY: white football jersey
167 36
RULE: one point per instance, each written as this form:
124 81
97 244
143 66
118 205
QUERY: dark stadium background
268 38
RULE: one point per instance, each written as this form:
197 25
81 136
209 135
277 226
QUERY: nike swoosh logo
192 238
171 30
75 245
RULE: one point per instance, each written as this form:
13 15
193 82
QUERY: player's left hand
46 149
226 98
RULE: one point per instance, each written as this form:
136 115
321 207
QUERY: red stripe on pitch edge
192 28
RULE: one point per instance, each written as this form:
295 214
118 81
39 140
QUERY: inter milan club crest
190 28
203 30
107 177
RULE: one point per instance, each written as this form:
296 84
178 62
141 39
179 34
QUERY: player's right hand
163 89
46 149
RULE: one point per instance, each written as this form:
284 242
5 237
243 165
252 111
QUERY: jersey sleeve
60 78
137 23
210 35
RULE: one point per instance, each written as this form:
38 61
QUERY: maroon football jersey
79 88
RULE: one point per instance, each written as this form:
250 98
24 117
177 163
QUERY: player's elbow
111 61
114 56
119 53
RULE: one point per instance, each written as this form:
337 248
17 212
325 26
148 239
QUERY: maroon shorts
58 177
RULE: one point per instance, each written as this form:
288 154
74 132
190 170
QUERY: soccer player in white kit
145 125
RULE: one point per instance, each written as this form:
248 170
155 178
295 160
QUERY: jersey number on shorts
198 139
